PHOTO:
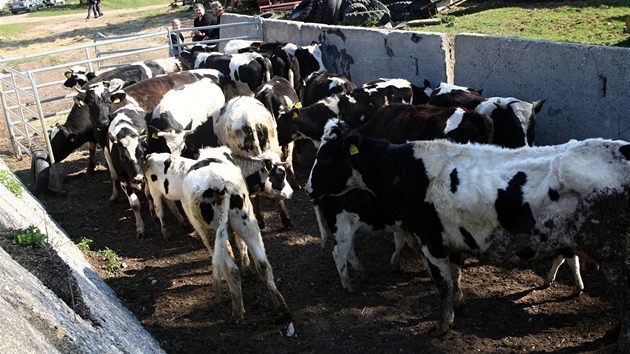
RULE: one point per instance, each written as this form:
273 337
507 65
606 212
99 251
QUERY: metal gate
28 96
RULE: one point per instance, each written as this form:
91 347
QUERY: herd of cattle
448 171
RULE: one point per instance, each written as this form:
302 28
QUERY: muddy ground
167 285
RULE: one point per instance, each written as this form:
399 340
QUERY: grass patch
586 22
84 243
30 237
112 260
7 180
9 31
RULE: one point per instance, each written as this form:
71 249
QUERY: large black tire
301 11
359 18
40 173
399 6
356 7
319 12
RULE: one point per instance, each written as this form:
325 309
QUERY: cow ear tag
81 103
116 100
353 149
154 135
68 74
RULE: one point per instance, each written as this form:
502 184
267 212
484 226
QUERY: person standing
203 19
98 8
176 38
92 7
217 10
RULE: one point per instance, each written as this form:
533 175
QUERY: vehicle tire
359 18
14 12
355 7
40 173
399 6
301 11
269 15
30 9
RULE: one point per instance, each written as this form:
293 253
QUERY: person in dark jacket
204 19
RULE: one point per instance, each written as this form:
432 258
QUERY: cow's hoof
436 332
287 224
283 316
237 318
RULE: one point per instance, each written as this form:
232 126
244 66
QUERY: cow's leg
439 269
456 263
287 156
242 248
324 231
134 202
284 215
92 159
619 276
260 217
574 265
343 245
113 175
172 206
551 276
223 264
244 224
399 241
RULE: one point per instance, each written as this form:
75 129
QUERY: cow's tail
221 246
266 68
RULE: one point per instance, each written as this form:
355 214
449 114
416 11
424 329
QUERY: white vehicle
26 5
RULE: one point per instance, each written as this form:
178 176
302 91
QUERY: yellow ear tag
68 75
297 105
154 136
116 101
295 115
353 149
81 103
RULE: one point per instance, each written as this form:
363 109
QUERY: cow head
99 98
264 175
332 170
170 141
514 120
127 146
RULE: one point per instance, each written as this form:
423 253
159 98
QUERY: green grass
15 187
73 7
587 22
30 237
8 31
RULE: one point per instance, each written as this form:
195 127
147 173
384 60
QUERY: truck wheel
40 173
30 8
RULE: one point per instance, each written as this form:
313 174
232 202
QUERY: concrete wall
362 54
586 88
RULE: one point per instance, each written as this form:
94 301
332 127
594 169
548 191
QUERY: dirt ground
167 285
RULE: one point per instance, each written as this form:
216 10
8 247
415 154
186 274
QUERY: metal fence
30 97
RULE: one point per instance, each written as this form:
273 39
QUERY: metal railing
27 96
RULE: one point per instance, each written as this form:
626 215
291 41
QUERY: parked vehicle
25 5
54 2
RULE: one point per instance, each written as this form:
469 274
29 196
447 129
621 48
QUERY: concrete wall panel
585 87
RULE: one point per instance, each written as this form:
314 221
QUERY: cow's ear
352 144
538 105
118 97
79 102
68 74
268 164
295 110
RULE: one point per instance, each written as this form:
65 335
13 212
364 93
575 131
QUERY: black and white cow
279 97
78 76
72 134
182 109
449 95
244 125
342 215
105 97
517 205
356 107
164 174
138 71
215 196
247 128
125 155
514 120
246 71
322 84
